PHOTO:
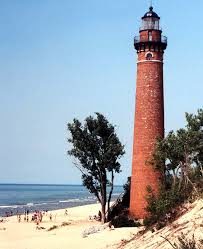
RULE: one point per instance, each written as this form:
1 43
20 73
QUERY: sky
65 59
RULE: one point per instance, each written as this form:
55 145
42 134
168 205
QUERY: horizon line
55 184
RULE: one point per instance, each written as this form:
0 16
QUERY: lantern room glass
150 23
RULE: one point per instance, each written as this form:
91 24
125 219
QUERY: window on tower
150 35
149 56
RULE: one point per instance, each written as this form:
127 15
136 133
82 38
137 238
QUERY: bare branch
169 242
78 167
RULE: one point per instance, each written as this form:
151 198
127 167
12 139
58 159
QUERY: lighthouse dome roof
151 13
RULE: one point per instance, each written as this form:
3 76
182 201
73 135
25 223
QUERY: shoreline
72 231
84 212
21 209
61 212
18 198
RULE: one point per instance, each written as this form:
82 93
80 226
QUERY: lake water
18 197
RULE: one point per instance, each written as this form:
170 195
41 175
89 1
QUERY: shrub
124 221
185 243
126 196
179 158
162 209
121 203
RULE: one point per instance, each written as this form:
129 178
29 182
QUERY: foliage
185 243
126 195
122 220
162 209
97 150
182 154
121 203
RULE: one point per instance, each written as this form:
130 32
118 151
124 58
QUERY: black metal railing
150 26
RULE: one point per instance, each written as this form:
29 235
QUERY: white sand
25 236
190 223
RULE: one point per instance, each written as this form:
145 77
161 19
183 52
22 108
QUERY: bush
126 196
121 203
185 243
162 209
124 221
179 157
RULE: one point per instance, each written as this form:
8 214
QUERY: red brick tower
149 110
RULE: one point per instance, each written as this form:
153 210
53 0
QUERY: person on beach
19 218
50 217
99 215
37 221
66 212
40 216
34 217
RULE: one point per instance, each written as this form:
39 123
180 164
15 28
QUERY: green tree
182 152
97 151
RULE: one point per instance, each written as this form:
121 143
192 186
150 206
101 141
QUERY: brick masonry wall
149 124
156 34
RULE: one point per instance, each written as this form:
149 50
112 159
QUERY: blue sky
61 59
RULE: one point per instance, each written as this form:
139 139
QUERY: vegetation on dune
179 158
97 150
118 214
186 243
182 154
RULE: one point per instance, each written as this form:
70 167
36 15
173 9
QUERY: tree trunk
181 176
110 193
103 197
103 212
174 179
201 169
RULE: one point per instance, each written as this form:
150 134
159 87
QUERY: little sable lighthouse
149 110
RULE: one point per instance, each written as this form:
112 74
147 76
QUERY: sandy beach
23 235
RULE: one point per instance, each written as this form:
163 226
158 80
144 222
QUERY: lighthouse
149 110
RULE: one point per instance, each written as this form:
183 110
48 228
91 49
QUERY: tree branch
79 167
169 242
111 191
85 173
